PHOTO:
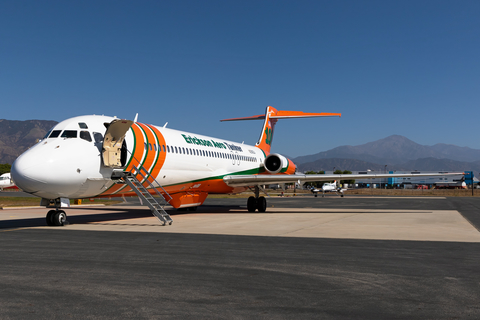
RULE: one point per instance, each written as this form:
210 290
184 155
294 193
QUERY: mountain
395 150
424 164
18 136
339 163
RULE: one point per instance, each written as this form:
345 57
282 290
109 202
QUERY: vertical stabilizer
266 136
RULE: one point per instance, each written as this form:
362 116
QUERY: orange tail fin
271 117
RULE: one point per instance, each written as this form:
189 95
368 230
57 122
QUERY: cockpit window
85 135
69 134
55 134
82 125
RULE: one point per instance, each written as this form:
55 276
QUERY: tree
4 168
347 181
316 184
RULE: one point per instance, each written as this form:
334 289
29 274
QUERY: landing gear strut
257 203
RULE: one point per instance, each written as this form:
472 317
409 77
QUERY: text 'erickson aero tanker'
100 156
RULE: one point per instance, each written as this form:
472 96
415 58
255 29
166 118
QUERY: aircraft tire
59 218
192 208
49 217
316 195
261 204
341 195
251 204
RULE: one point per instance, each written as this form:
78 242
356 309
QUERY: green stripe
220 177
158 152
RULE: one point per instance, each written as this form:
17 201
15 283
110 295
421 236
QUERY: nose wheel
56 218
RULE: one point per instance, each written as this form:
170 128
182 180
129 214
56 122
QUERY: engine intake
275 163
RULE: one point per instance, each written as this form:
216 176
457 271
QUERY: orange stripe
147 164
162 155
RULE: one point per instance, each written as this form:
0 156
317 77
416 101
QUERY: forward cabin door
113 142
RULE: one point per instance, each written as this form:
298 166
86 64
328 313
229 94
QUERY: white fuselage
68 163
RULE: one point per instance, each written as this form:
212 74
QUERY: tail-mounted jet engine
275 163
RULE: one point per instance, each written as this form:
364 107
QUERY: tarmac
306 257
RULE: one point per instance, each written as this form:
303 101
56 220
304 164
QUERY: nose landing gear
56 218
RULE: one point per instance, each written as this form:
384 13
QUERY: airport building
431 182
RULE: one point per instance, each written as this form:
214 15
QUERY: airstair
156 204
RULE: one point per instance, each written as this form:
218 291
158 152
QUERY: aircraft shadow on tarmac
119 215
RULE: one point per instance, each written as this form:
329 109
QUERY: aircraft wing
260 179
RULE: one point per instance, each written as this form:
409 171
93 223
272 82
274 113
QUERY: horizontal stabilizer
288 114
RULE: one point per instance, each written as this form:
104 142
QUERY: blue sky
390 67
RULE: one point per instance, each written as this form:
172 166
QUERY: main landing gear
257 203
56 218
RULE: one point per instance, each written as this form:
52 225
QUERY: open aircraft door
114 149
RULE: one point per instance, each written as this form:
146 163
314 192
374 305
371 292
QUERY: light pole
371 186
385 178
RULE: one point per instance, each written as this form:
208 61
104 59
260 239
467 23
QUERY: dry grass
30 201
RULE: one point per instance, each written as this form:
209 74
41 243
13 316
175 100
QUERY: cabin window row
198 152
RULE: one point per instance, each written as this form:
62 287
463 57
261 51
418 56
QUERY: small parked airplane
329 187
100 156
6 181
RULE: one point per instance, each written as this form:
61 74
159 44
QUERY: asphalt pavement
63 272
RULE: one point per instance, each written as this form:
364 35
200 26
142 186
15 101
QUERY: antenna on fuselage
136 118
165 125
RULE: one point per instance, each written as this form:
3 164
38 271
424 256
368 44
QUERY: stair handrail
150 176
139 171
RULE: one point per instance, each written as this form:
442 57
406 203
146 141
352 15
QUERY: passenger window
168 148
82 125
55 133
163 147
69 134
176 150
85 135
150 145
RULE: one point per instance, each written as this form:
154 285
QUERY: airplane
100 156
6 181
328 187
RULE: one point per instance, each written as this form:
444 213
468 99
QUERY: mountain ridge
17 136
398 153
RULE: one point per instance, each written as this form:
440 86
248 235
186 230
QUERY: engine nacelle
276 163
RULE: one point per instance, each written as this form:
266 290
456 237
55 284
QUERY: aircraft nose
44 173
26 174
